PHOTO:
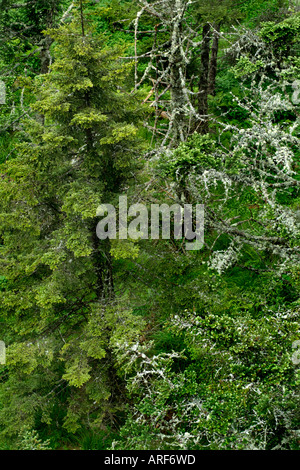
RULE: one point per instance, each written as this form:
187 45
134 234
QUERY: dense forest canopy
139 343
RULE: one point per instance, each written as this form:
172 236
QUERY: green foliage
219 372
140 344
100 441
29 440
79 150
284 34
193 155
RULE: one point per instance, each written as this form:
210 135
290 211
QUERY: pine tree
80 151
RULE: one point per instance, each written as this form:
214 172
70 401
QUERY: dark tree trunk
97 262
213 61
202 126
102 262
45 54
101 248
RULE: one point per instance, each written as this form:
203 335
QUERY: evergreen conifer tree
58 282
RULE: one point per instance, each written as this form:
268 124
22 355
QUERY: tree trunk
202 127
47 41
179 109
45 54
213 61
101 248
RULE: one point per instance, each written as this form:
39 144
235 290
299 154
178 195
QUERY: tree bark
45 54
202 126
177 65
213 61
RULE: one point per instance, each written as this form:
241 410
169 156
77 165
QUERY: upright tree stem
213 61
203 80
